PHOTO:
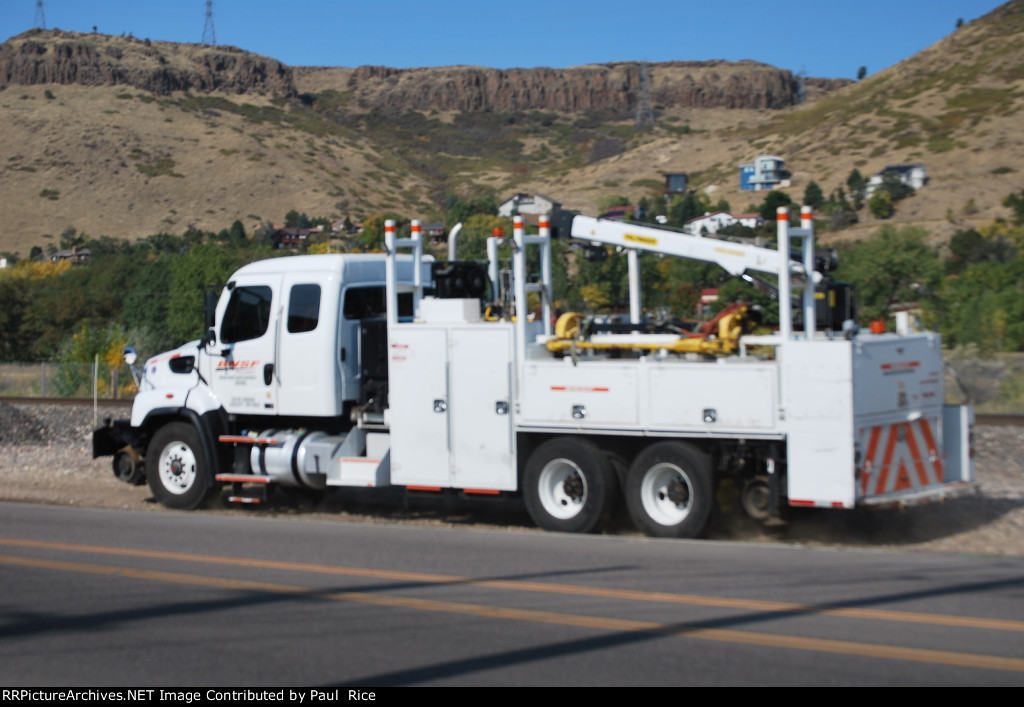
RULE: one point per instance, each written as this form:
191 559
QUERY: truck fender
203 424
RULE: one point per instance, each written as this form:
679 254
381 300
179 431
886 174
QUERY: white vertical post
416 230
519 287
497 233
96 391
810 313
545 271
390 281
633 259
785 300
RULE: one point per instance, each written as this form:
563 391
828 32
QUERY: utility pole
40 20
209 34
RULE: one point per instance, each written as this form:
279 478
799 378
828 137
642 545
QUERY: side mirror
211 337
211 308
130 355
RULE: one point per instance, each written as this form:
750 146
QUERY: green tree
813 196
897 265
203 267
880 204
772 201
858 187
372 236
862 72
687 207
1015 202
237 234
606 202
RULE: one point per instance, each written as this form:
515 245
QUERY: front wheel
668 490
174 467
569 486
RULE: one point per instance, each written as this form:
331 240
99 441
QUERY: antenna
644 112
209 34
40 20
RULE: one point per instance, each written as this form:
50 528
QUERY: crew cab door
307 372
243 359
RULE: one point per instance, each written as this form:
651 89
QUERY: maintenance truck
384 370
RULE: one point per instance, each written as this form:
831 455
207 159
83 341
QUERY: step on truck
384 370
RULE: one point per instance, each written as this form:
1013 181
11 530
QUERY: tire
129 469
756 498
174 467
569 486
669 491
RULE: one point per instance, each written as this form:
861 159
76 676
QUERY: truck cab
284 350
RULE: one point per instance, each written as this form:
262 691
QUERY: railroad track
1003 419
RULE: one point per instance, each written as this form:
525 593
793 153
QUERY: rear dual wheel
669 490
570 486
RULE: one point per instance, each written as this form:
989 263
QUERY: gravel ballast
46 457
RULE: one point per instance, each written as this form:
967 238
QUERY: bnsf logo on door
237 364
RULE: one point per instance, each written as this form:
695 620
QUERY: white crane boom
736 258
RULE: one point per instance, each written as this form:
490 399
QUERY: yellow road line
543 587
820 645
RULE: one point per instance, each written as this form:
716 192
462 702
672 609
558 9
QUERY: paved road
96 597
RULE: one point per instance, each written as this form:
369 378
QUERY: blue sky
822 38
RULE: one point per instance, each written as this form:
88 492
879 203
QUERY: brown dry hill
128 137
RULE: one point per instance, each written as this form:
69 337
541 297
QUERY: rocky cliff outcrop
612 87
42 57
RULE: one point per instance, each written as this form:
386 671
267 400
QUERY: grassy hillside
128 162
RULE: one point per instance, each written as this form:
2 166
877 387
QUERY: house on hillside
911 175
709 223
77 255
435 232
619 213
754 220
763 174
675 183
528 204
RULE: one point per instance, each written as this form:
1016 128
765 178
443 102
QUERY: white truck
341 370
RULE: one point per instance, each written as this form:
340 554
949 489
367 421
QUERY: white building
911 175
709 223
528 204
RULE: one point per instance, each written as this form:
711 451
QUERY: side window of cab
248 314
303 308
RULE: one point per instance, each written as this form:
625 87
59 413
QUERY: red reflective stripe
423 488
869 461
890 446
489 492
915 455
933 451
903 481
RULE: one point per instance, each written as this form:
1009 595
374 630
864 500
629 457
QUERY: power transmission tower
209 34
644 112
40 20
801 87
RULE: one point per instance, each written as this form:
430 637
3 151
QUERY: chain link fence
65 380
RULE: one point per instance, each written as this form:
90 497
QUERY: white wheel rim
667 494
562 489
177 466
